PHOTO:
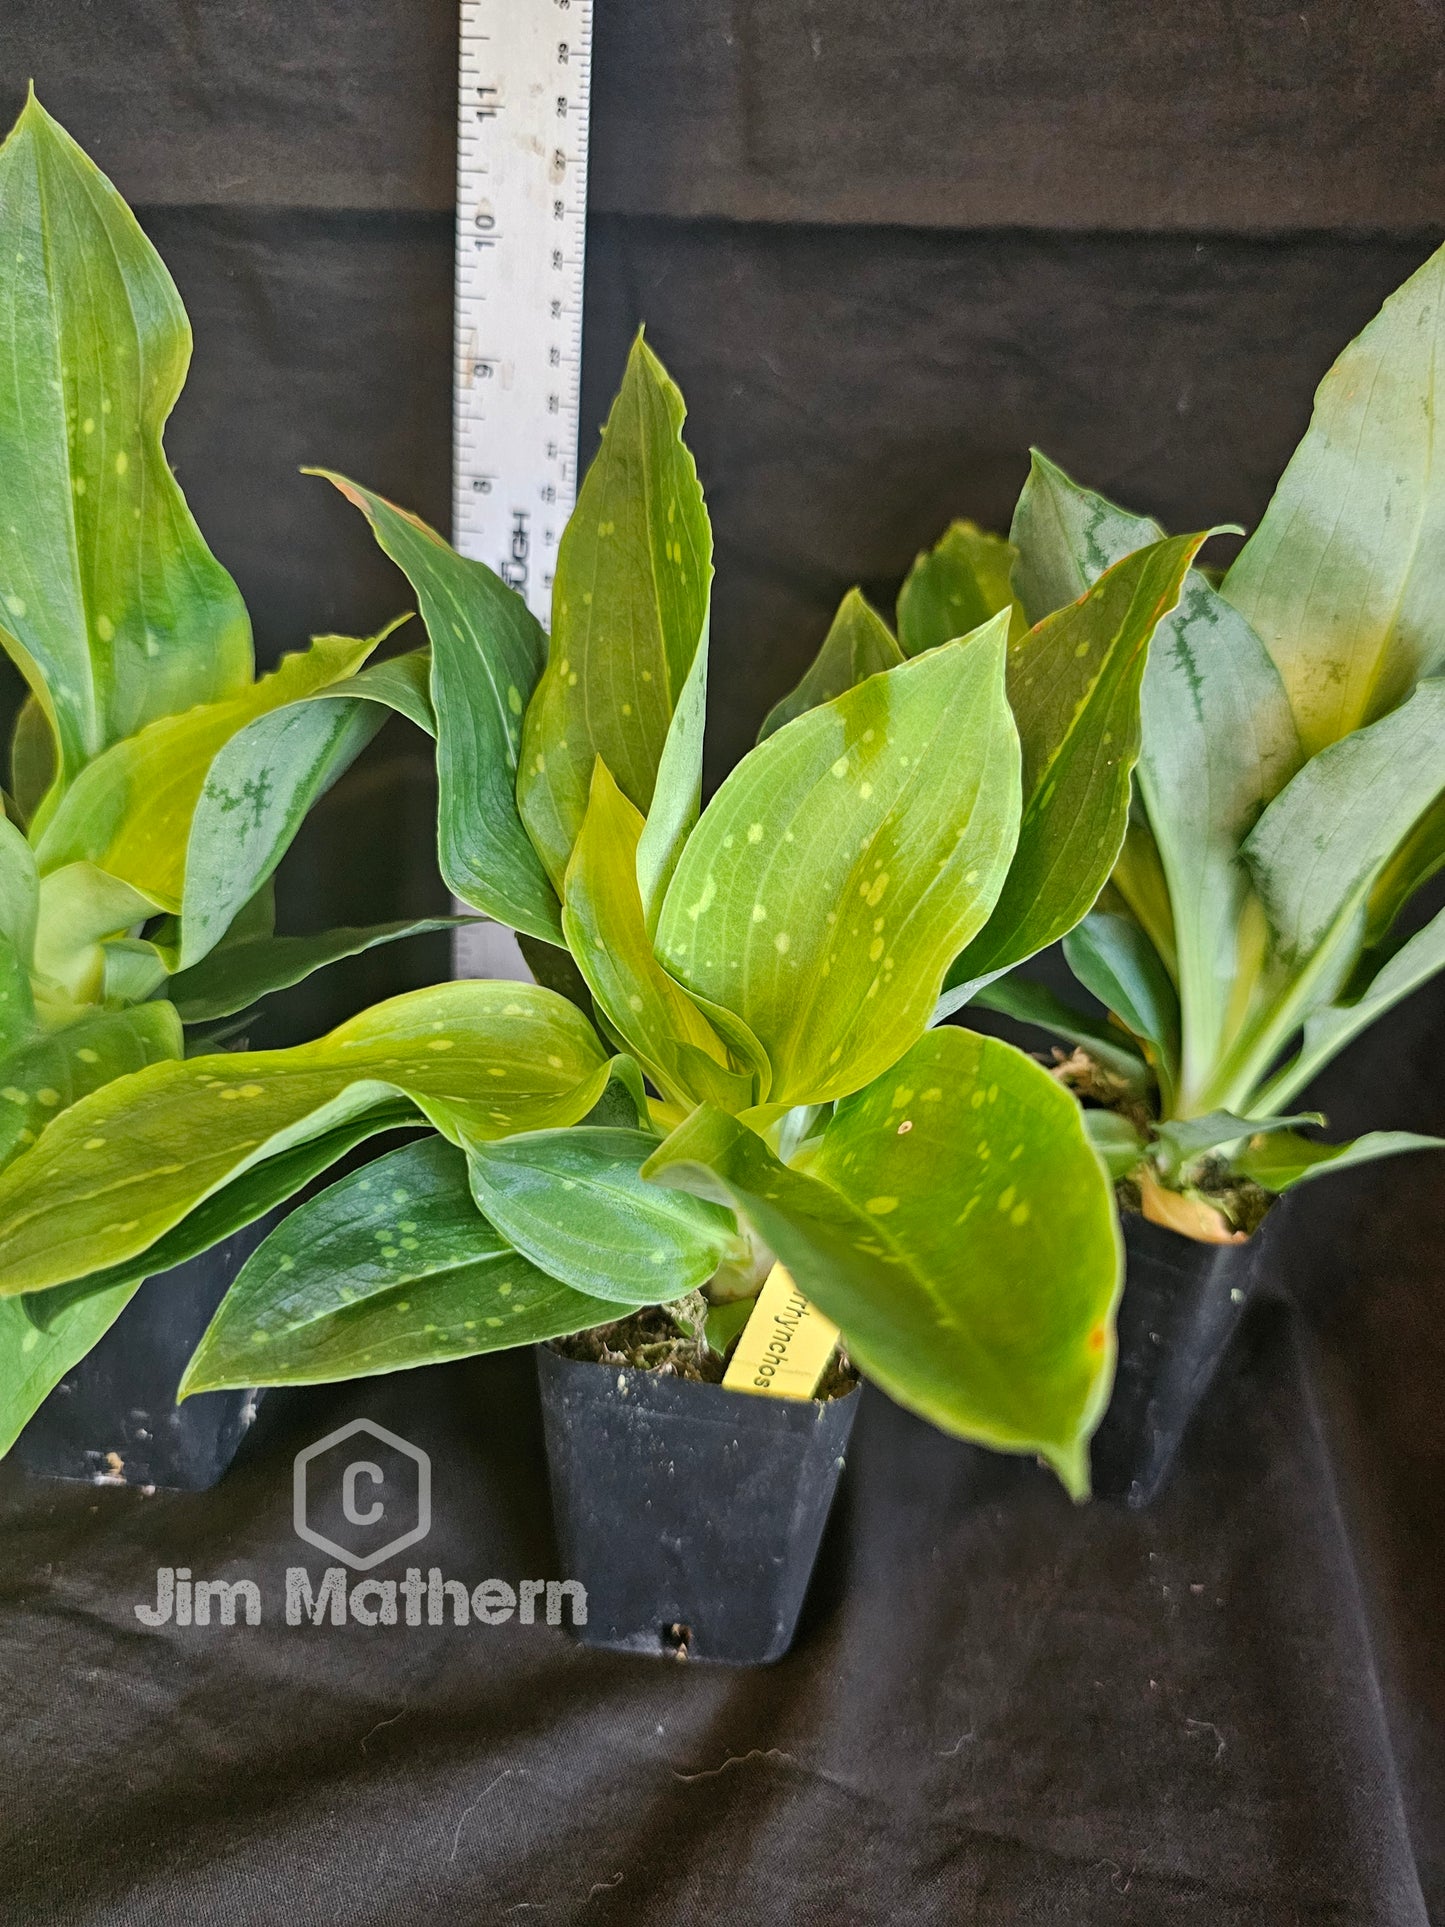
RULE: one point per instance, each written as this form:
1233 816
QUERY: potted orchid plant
771 1134
1289 807
155 782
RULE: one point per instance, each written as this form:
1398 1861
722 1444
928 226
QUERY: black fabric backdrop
883 247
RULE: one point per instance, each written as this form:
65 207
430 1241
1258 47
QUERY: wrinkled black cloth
883 249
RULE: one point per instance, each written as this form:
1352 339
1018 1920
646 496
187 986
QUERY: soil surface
670 1339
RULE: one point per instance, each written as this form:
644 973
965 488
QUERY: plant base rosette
692 1514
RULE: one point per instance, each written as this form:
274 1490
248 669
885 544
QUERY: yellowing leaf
652 1015
124 1165
130 811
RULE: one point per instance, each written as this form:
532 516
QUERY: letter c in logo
348 1493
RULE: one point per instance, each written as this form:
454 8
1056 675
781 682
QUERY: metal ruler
523 101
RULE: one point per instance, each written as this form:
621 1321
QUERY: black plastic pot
114 1420
691 1514
1182 1304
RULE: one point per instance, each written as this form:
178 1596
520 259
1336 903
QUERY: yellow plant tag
785 1345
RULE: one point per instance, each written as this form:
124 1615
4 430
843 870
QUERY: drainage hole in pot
676 1639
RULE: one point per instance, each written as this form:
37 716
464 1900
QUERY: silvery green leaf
1344 578
486 657
1323 841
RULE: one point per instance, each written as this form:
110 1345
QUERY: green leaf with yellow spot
859 644
53 1070
843 864
111 604
391 1267
573 1202
120 1168
959 1228
651 1013
626 666
1073 683
954 587
231 1209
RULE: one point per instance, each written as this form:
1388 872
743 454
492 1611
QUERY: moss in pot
1290 804
765 975
135 891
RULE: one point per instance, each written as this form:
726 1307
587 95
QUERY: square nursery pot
691 1514
113 1419
1183 1302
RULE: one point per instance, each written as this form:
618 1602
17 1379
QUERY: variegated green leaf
651 1013
1218 741
19 891
629 620
1073 683
573 1203
391 1267
954 587
119 1169
53 1070
859 644
110 602
844 863
33 1360
251 1196
1344 578
959 1227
